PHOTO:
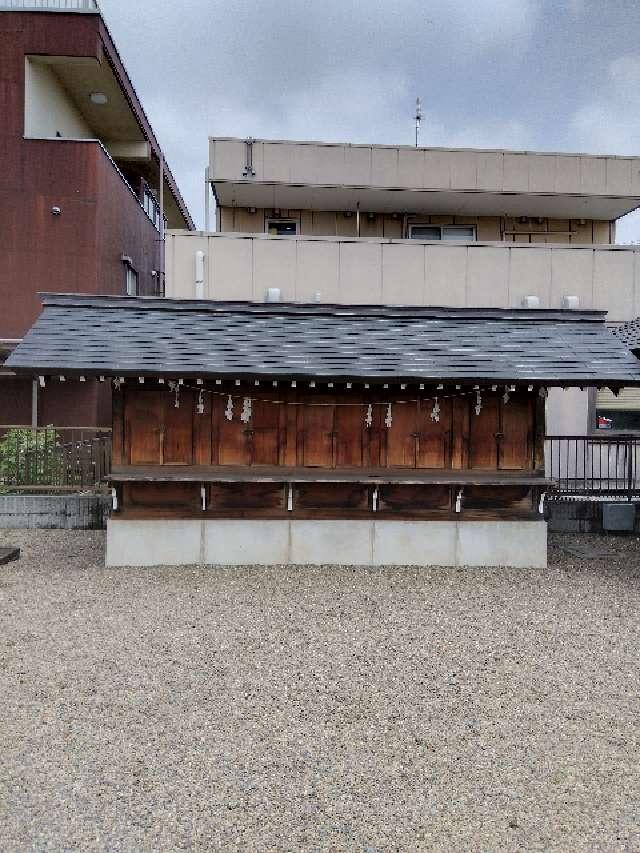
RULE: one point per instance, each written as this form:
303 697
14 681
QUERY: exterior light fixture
98 98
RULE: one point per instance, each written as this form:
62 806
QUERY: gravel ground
286 709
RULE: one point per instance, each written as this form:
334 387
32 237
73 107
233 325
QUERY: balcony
90 6
405 272
401 179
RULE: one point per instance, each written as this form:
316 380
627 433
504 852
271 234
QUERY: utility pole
418 120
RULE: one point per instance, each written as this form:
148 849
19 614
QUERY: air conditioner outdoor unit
531 302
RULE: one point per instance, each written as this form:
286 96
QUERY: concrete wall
406 272
520 544
585 516
60 512
393 167
48 109
568 412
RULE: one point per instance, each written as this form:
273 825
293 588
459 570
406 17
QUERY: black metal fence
53 458
594 465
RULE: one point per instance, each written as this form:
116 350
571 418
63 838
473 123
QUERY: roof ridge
70 300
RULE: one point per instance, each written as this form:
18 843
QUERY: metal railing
49 6
51 459
593 465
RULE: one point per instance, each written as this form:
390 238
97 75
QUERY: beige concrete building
367 224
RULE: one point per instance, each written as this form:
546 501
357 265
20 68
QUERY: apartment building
85 190
376 224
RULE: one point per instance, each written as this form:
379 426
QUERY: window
151 207
442 232
130 278
618 413
282 227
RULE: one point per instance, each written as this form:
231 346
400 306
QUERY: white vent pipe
199 259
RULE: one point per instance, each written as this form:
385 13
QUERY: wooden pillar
540 432
117 426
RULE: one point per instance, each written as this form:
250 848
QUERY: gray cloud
492 73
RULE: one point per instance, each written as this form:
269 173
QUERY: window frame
285 220
412 225
594 411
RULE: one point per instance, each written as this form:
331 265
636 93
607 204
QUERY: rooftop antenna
418 119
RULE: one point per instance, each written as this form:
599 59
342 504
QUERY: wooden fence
53 459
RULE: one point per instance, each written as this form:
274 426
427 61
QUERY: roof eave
324 379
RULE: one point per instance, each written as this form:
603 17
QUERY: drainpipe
199 275
34 404
206 199
161 194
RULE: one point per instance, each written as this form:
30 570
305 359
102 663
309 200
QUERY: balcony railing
594 466
53 459
49 6
406 272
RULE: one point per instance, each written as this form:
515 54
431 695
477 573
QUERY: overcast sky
559 75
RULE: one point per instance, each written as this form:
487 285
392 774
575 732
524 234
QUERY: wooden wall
324 429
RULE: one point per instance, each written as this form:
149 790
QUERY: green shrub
31 458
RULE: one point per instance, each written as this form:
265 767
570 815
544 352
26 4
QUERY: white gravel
287 709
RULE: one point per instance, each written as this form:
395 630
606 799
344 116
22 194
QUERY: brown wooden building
79 187
246 432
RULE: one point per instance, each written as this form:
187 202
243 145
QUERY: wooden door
516 434
143 426
265 432
350 436
317 435
402 436
231 438
178 429
484 430
434 437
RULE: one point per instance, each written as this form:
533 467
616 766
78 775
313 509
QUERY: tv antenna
418 119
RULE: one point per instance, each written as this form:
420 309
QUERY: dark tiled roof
137 336
629 333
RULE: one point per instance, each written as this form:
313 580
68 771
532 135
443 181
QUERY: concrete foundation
230 542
